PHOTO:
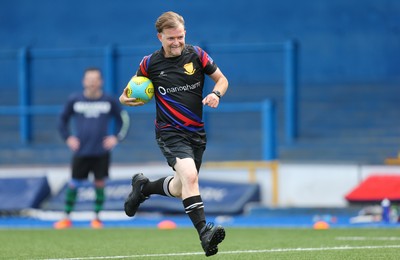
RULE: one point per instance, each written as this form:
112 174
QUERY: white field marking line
277 250
368 238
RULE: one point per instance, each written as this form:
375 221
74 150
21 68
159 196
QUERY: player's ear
159 36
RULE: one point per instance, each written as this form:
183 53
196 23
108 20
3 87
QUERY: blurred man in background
90 141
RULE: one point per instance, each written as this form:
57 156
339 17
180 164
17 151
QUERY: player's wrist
217 93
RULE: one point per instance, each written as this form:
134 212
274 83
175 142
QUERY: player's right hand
73 143
127 101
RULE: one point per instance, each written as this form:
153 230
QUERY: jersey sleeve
121 119
66 114
207 62
144 66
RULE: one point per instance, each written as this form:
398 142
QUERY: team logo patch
189 69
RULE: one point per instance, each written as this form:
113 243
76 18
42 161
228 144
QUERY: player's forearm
221 85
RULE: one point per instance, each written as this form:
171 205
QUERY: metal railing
24 110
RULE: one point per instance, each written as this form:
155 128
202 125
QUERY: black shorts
98 165
176 144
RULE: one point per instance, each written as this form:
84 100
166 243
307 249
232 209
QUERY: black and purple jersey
92 122
178 85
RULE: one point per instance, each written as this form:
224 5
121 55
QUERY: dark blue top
92 119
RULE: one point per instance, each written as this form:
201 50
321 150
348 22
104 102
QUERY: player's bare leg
187 180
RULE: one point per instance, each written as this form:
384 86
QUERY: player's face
173 41
92 81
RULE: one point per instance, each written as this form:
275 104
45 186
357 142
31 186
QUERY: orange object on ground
96 224
321 225
63 224
166 224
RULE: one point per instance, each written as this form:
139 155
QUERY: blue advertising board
218 197
21 193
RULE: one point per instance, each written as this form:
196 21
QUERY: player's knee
99 183
75 183
192 180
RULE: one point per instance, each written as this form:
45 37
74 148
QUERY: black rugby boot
210 237
136 196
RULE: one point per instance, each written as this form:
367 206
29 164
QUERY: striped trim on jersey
190 121
144 65
204 58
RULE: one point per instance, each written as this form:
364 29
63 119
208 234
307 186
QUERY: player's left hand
211 100
109 142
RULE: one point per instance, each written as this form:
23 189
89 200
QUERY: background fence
27 58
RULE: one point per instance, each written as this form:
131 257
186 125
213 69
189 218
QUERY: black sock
159 186
194 207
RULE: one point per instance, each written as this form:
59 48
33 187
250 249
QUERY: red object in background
376 188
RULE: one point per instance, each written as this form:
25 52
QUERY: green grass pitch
183 243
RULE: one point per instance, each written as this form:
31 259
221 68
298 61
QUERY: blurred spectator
90 141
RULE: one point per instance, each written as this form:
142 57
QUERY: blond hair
169 20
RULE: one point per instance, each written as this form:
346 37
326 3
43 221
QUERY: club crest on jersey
189 69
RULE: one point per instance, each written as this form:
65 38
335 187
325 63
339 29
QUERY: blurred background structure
347 76
330 69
